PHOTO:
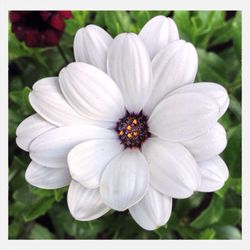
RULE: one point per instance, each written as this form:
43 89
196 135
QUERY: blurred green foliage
41 214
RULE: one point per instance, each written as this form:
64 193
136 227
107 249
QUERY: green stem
62 53
234 86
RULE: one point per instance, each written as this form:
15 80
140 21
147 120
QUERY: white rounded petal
209 144
173 67
47 178
157 33
29 129
173 170
85 204
91 44
130 67
51 149
183 116
87 160
214 173
153 210
213 90
48 101
91 92
125 180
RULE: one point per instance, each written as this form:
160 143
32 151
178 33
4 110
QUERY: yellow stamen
135 121
121 133
129 127
129 135
135 133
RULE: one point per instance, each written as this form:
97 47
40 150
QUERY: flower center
132 129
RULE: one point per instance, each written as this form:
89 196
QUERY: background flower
205 216
39 28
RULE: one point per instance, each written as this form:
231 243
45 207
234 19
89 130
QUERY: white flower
131 138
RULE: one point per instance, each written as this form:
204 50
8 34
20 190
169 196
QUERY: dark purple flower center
132 129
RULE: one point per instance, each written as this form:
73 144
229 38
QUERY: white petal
153 210
125 180
209 144
91 92
130 67
213 90
51 149
29 129
183 116
87 160
214 173
48 101
85 204
173 170
173 67
157 33
47 178
91 45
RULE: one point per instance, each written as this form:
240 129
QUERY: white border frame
241 5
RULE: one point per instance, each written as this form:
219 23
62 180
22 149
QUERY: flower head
39 28
126 126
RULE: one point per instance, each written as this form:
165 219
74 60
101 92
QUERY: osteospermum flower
39 28
132 130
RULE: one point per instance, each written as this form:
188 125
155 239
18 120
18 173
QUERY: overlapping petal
85 204
51 148
48 101
29 129
217 92
157 33
209 144
129 66
173 67
88 160
173 170
125 180
183 116
91 92
91 44
153 210
214 173
47 178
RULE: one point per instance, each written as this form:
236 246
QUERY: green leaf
39 232
212 68
232 153
207 234
231 216
35 206
235 107
228 232
182 20
210 215
16 165
117 22
221 35
59 193
141 17
41 192
15 119
237 30
21 98
16 48
14 229
38 208
78 21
